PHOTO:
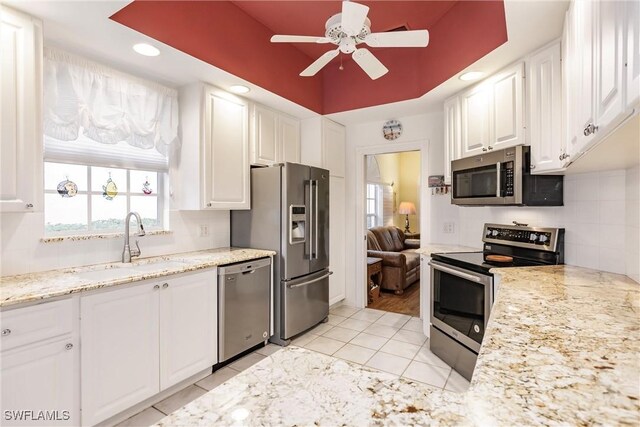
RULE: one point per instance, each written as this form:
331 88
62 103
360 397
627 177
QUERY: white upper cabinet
289 131
544 101
609 60
213 164
334 143
474 120
602 37
507 102
632 51
21 112
451 135
275 137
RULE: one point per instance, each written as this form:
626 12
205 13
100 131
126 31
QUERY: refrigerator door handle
310 281
311 219
315 221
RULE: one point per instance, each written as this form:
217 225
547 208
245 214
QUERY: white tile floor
390 342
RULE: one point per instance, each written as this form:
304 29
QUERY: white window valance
90 103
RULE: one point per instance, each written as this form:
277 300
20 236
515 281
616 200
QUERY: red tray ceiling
234 36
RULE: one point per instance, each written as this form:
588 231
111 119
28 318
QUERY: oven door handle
456 272
498 184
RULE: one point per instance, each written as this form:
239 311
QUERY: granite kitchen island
562 347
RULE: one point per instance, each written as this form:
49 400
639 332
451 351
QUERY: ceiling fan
350 28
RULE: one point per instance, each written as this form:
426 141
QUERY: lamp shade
407 208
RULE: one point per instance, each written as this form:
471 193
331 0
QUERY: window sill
78 237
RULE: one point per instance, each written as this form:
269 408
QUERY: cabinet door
42 377
609 60
188 326
289 129
226 152
333 147
20 106
545 109
119 356
337 233
264 136
507 128
474 120
451 135
632 57
584 65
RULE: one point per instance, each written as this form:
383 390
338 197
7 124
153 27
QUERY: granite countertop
26 288
435 248
561 348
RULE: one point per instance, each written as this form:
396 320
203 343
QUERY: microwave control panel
508 176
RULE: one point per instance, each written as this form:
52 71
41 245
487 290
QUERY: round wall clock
392 129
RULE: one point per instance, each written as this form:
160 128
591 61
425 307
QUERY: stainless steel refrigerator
290 215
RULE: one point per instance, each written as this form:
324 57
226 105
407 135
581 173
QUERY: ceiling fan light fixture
146 49
471 75
239 89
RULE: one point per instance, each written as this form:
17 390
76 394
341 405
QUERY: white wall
427 130
22 251
632 234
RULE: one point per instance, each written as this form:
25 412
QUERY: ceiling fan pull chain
340 67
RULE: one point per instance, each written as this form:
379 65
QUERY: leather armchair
400 262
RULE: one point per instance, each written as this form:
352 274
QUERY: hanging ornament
146 187
110 189
67 188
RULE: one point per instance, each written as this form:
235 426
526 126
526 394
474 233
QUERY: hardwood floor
407 303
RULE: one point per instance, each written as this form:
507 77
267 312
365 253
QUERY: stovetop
475 261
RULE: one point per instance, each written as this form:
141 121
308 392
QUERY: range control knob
543 238
494 233
533 237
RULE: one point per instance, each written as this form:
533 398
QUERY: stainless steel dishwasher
244 302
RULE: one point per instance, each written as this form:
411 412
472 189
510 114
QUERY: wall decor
110 189
392 129
146 187
67 188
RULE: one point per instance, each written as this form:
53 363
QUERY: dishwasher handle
243 267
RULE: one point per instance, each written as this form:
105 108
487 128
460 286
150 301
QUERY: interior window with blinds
107 141
379 204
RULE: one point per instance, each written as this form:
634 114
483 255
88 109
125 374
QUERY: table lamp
407 208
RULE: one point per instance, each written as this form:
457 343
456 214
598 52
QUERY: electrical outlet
449 227
204 230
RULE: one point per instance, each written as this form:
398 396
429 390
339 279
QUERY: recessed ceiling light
146 49
239 89
471 75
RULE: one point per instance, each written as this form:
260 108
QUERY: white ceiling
83 27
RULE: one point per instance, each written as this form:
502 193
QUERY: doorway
392 211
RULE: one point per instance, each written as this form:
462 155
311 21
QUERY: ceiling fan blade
298 39
312 69
369 63
415 38
353 17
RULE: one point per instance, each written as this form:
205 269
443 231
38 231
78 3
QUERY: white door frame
422 146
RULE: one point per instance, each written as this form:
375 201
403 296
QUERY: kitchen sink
120 270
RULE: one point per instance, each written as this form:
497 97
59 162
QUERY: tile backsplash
600 217
23 252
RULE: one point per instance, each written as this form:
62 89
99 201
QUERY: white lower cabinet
143 339
41 378
188 327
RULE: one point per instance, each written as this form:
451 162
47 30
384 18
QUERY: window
93 199
374 205
107 141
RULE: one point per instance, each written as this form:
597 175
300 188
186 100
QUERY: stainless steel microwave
503 178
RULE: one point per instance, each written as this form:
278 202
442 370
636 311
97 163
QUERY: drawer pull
6 332
156 286
165 285
69 346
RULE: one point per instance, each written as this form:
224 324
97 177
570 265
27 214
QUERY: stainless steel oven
503 177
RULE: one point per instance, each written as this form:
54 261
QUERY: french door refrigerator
290 215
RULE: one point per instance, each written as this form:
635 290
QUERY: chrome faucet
127 253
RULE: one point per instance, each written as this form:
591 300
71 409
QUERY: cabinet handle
490 148
564 156
165 285
532 166
590 129
156 286
484 149
69 346
209 204
6 332
29 205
